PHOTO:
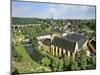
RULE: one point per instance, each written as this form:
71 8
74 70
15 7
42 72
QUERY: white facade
64 34
43 37
76 47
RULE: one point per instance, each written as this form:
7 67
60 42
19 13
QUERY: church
61 46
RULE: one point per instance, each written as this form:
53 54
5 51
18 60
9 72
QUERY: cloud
56 9
52 10
45 10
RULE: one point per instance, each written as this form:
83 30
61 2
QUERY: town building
62 46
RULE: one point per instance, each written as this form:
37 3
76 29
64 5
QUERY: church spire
51 27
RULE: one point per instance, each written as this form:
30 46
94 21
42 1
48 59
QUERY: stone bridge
22 26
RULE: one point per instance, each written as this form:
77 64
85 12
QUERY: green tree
82 60
60 65
74 66
67 66
58 22
54 64
91 62
45 61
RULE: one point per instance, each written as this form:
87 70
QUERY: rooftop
74 37
67 42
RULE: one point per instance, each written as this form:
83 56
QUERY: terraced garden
26 64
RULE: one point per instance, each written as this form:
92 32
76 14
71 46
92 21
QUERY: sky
49 10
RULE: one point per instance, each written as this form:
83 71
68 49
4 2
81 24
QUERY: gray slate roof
64 43
68 42
76 38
